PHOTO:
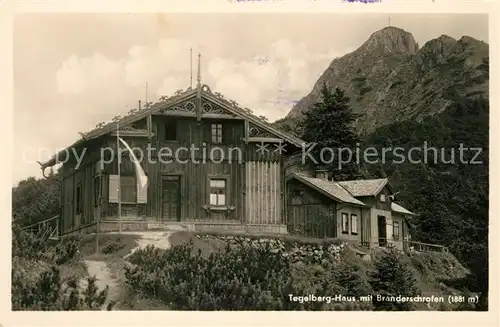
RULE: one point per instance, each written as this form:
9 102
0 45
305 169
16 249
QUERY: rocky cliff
390 78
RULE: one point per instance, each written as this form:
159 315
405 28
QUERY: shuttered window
113 188
142 193
131 190
128 189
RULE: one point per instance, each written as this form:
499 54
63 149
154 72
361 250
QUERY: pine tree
350 275
329 125
393 277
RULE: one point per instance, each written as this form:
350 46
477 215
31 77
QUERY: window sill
218 208
352 233
345 233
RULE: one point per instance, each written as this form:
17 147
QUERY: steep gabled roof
399 209
328 188
338 192
365 187
167 102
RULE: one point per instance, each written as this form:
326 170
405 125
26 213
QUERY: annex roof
341 191
397 208
328 188
365 187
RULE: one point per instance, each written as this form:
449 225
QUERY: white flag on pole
141 175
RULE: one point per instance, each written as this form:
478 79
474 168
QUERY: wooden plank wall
67 204
83 176
194 178
313 220
263 192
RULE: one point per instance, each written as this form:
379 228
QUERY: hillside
390 78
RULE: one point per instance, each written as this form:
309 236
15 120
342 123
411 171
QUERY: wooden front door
382 231
171 197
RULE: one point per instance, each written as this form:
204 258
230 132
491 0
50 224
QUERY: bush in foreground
393 277
239 278
37 279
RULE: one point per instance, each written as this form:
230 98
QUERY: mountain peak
389 78
391 39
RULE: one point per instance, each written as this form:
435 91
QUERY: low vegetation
48 276
52 275
240 273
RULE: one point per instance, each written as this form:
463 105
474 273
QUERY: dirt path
157 239
104 278
104 271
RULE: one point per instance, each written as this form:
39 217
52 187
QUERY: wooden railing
51 224
424 247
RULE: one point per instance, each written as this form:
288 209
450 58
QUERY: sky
72 71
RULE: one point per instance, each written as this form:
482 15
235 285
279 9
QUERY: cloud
81 75
169 86
268 81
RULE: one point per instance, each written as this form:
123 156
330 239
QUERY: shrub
393 277
112 247
239 278
47 290
37 282
350 274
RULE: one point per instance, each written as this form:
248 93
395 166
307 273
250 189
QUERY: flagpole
191 68
119 179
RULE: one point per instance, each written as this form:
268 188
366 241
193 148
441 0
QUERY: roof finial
199 70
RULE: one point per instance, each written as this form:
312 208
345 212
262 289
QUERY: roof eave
298 177
124 121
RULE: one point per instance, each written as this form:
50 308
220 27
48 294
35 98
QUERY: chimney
322 174
140 105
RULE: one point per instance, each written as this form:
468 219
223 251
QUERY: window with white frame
218 192
354 224
345 223
382 197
